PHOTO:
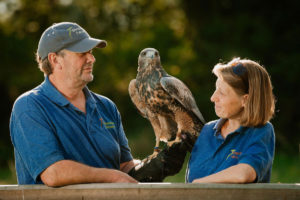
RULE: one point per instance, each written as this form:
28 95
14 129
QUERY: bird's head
149 56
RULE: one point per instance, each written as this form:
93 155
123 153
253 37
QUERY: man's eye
88 52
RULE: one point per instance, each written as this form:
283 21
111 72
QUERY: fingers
126 179
121 177
129 179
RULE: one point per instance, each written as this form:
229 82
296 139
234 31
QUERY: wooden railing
145 191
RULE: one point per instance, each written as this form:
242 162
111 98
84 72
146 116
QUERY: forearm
67 172
241 173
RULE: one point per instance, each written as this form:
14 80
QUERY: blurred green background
191 35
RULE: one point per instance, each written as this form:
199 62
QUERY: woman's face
228 104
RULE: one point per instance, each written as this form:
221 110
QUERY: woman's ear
245 99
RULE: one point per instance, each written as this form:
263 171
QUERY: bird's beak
150 54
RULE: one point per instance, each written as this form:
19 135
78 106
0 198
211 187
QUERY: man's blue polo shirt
45 128
212 153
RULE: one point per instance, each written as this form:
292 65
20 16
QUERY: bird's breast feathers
151 92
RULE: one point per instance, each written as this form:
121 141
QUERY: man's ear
245 99
53 59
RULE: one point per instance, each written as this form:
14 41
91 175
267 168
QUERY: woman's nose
213 97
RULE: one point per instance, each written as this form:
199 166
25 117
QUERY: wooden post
145 191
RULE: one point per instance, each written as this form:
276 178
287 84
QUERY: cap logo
77 31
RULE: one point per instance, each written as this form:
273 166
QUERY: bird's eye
144 53
156 54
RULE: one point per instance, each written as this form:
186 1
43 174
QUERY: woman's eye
219 92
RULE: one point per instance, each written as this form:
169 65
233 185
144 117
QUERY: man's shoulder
26 100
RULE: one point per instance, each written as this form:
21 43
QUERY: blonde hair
248 77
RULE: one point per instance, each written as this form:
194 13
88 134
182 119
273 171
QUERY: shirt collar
54 95
88 96
219 125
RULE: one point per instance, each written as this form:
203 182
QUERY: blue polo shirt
250 145
45 128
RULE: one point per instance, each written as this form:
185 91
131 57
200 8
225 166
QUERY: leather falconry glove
168 162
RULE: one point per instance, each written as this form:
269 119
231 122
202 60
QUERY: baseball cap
66 35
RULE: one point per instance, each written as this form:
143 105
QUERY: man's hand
117 176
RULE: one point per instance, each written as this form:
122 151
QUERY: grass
8 175
286 169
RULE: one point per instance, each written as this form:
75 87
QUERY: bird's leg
156 148
183 124
155 152
157 130
177 139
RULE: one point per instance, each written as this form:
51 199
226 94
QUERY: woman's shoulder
263 128
215 123
211 124
264 131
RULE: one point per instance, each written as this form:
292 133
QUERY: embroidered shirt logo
107 124
234 154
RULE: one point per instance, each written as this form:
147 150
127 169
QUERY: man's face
77 68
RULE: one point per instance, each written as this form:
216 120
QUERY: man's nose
90 57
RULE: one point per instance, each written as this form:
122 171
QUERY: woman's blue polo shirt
45 128
250 145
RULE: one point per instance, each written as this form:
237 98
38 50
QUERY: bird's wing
135 98
178 90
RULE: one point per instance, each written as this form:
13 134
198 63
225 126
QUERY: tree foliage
192 36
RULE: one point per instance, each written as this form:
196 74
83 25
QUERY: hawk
164 100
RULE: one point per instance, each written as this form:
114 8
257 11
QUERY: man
65 134
60 125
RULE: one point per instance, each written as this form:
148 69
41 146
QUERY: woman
239 147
